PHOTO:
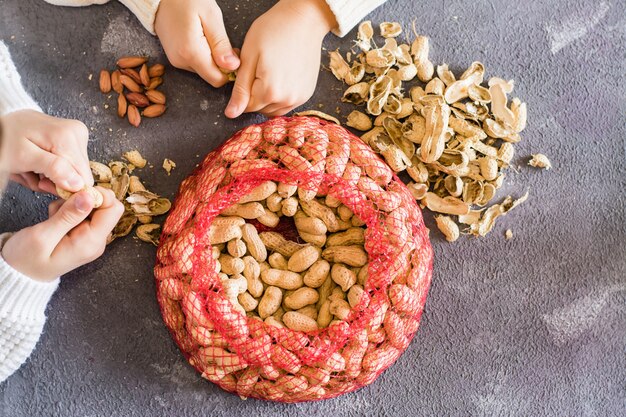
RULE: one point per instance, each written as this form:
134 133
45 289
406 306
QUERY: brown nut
122 105
130 83
132 74
115 82
105 81
155 96
138 99
156 70
154 83
154 110
131 61
134 118
143 75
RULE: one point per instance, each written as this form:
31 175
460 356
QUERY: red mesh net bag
293 294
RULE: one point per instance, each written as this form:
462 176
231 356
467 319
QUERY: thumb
241 90
221 49
68 216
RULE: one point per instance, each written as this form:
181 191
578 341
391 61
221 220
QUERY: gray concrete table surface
534 326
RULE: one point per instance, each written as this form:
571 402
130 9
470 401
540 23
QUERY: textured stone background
532 326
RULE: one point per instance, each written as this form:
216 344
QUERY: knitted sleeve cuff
145 10
13 97
20 296
350 12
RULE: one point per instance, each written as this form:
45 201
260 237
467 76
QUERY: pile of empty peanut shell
454 137
136 83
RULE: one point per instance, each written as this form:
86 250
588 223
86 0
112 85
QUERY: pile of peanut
283 282
136 83
293 318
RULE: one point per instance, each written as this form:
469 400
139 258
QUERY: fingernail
231 59
75 182
83 203
232 109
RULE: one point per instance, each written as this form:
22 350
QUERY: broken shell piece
135 158
390 29
475 73
123 227
149 233
498 91
539 160
448 227
359 120
445 74
379 91
141 197
356 94
364 35
338 65
380 58
393 105
119 186
159 206
418 191
168 165
454 185
519 111
418 171
356 74
135 185
433 142
495 129
100 172
435 86
447 205
420 50
479 94
144 219
318 114
508 234
458 90
118 168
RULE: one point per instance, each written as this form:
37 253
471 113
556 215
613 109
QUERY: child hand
40 145
67 240
280 58
194 38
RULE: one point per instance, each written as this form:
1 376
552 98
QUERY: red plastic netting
249 357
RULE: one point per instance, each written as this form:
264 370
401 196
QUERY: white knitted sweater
23 301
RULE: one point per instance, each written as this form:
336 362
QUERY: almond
154 110
155 96
154 83
133 116
105 81
115 82
138 99
143 75
122 105
130 84
156 70
131 61
132 74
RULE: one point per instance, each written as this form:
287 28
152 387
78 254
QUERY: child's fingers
261 96
201 61
241 90
47 186
54 207
278 109
71 213
59 169
215 33
104 219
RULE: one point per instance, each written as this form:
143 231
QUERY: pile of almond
136 83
